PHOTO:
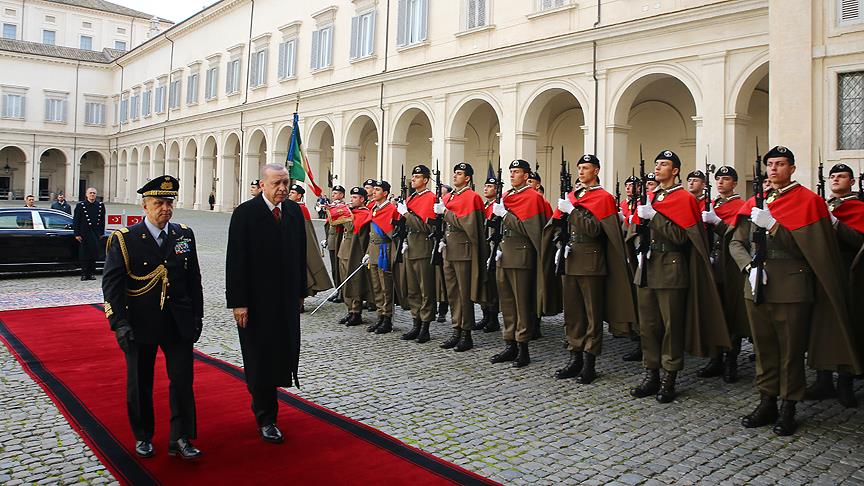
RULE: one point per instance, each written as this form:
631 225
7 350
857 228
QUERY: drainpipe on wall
596 82
76 166
381 96
242 154
22 21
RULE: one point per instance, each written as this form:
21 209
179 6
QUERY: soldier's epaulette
183 226
124 230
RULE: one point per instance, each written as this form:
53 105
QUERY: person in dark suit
265 282
61 204
154 299
88 223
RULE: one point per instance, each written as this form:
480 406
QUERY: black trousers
88 268
265 405
140 361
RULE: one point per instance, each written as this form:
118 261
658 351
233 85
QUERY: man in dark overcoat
88 223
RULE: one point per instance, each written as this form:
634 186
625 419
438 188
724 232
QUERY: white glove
439 208
499 210
441 246
630 219
402 208
323 244
621 217
833 218
646 212
762 218
710 217
565 206
567 251
498 255
752 278
404 246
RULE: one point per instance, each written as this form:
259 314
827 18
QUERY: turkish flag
132 220
115 219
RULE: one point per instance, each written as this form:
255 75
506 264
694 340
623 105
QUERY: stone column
711 140
439 132
507 143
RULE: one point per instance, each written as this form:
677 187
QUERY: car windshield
55 221
16 220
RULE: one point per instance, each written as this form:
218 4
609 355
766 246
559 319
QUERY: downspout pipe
596 81
381 96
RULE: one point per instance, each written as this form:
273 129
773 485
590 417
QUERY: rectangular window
850 111
13 106
145 102
120 45
850 11
232 80
412 22
210 90
174 94
94 113
192 89
159 100
287 58
550 4
258 76
363 35
135 108
124 110
49 37
475 14
10 31
55 110
87 42
322 48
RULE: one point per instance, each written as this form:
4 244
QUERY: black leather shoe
509 354
650 384
414 332
465 342
572 368
822 388
91 277
271 433
764 414
479 325
386 326
442 311
374 327
786 424
667 387
355 320
845 392
183 448
636 354
423 337
712 369
523 358
144 448
493 325
83 277
453 340
588 373
730 367
345 319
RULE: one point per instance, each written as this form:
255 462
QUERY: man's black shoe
414 332
386 326
374 327
423 337
572 368
523 358
509 354
712 369
465 342
650 384
453 340
355 320
345 319
183 448
667 387
764 414
144 448
271 433
786 424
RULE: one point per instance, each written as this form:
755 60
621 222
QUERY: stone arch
188 174
53 164
158 164
361 153
411 139
749 116
473 133
172 163
257 148
230 185
13 172
320 151
207 172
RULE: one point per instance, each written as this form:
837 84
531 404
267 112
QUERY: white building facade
385 84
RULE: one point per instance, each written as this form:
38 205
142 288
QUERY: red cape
464 203
625 209
370 204
851 213
362 216
305 212
422 205
680 207
526 204
796 209
487 208
728 211
385 217
598 201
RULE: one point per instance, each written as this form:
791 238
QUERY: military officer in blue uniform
154 299
88 223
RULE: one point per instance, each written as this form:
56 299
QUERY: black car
38 239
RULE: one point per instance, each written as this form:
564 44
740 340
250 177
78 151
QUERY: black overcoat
265 271
88 222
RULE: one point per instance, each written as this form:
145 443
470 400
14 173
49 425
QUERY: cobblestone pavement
515 426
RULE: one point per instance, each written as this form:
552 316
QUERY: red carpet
72 354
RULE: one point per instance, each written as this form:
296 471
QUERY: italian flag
297 161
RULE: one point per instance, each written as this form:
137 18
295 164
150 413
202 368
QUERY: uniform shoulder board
124 230
184 226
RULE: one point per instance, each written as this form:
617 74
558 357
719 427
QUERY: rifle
643 230
759 239
363 262
617 190
401 232
495 224
820 187
437 233
709 170
562 236
634 195
861 186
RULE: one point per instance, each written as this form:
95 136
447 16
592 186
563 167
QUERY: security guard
154 299
334 239
382 256
696 186
88 224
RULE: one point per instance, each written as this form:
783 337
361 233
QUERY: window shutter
402 23
236 75
282 58
850 10
424 19
481 12
262 66
356 37
6 103
253 78
372 23
291 63
316 41
63 110
48 109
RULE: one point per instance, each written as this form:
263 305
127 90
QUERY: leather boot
822 388
649 386
509 353
493 325
536 332
730 367
345 319
373 327
465 342
713 368
572 368
413 333
481 324
355 320
522 358
423 337
764 414
667 387
786 424
386 326
442 311
845 393
588 373
636 354
453 340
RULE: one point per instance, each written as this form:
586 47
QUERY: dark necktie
277 214
163 237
